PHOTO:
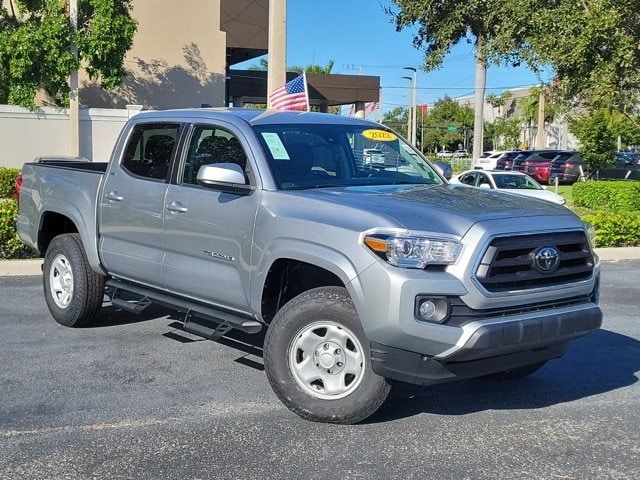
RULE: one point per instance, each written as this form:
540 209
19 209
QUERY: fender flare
316 254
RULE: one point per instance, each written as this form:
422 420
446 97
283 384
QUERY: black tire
320 304
519 372
88 286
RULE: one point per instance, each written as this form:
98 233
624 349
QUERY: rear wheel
317 359
519 372
73 291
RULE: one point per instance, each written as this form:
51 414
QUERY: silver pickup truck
361 272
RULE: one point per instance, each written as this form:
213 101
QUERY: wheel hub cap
61 281
326 360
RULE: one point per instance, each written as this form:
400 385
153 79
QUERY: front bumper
489 347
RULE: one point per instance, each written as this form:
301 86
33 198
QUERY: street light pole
410 112
414 106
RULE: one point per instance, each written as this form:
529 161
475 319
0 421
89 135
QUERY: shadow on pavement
111 316
600 362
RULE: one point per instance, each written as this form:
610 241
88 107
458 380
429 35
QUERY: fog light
432 309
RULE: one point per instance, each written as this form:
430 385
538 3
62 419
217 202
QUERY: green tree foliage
592 46
35 47
443 24
432 128
597 138
504 133
263 66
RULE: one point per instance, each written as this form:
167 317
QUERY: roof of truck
257 117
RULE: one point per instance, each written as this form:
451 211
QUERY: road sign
452 128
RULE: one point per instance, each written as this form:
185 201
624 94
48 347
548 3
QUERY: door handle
177 207
113 196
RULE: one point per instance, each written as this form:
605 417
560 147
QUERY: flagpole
306 89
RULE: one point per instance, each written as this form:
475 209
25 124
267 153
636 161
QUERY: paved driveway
139 398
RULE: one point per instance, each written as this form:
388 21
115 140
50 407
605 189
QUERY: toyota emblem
546 259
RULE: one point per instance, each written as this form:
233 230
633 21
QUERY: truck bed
64 187
96 167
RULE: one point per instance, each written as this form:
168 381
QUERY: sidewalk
15 268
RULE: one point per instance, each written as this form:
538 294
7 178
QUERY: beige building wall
178 58
25 135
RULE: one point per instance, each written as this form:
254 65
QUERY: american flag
291 96
369 108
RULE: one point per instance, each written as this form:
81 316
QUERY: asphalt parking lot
135 397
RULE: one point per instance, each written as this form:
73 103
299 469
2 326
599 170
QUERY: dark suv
626 167
505 162
536 163
566 167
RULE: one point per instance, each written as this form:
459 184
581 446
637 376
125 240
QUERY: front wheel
73 291
317 359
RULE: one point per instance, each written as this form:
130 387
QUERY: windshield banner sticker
275 146
379 135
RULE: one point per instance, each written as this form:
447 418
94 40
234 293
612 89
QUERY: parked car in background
488 160
626 167
461 153
510 182
536 163
505 161
567 167
444 154
373 156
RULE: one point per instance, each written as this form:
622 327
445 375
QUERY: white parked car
462 153
488 160
444 154
507 181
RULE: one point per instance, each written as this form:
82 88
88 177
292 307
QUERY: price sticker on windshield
379 135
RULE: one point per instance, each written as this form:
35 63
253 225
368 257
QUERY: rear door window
150 150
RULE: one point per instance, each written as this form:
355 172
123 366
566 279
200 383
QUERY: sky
361 38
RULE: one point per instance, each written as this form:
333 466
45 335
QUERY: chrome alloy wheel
61 281
326 360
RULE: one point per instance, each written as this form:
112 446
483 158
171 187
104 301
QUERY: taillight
17 187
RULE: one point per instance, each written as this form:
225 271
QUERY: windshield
516 182
305 156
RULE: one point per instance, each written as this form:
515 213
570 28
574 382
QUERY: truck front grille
509 263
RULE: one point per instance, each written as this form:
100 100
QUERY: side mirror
444 169
223 176
544 187
484 185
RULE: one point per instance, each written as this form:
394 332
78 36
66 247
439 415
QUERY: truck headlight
414 251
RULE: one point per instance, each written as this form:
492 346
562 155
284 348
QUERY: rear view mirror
223 176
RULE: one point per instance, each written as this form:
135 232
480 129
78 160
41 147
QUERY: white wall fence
25 135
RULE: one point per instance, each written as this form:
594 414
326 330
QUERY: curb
616 254
17 268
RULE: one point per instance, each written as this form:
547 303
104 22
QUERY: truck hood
448 209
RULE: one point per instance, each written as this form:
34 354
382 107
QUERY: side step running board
199 319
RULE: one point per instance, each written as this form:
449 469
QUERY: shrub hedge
615 229
10 245
7 181
612 196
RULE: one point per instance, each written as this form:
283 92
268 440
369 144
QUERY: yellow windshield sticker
379 135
